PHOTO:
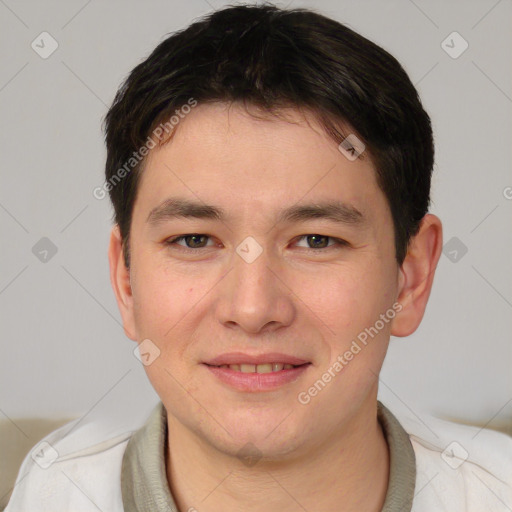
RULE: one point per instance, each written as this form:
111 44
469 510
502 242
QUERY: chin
255 447
270 437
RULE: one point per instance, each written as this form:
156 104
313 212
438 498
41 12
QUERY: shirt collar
144 483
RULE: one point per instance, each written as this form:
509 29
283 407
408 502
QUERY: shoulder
459 467
77 466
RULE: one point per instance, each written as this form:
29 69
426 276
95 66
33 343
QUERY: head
296 244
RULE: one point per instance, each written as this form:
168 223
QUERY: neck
348 471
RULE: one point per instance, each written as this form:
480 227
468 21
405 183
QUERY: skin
294 298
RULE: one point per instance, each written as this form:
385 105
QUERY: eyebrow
176 207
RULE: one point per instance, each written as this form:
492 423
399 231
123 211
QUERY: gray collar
144 484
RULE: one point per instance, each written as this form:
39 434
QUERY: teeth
267 368
258 368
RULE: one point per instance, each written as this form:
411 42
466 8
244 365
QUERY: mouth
258 368
247 373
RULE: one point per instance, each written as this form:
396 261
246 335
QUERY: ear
120 280
416 275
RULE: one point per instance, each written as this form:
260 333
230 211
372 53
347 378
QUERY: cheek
344 299
162 299
164 313
348 304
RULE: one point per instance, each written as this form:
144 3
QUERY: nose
254 295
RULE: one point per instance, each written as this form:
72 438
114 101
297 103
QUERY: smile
254 378
259 368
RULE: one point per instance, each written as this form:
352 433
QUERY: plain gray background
64 352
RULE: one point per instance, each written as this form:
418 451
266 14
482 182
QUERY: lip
257 382
241 358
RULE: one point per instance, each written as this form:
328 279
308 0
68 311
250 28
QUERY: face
260 280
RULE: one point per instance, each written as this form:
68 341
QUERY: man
270 176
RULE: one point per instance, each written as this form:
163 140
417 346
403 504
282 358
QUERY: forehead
222 154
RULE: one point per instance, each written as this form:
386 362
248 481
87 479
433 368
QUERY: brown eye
316 241
192 240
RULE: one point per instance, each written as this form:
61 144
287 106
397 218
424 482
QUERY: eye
196 240
320 241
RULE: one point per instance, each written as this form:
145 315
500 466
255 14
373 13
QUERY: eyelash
338 242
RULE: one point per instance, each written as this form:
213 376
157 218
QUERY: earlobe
416 275
121 282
